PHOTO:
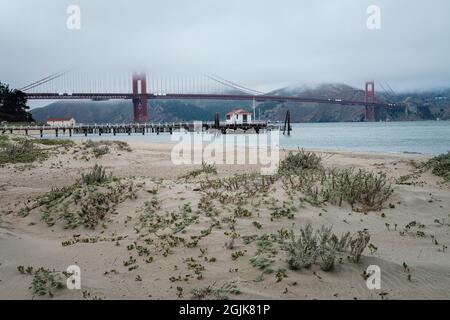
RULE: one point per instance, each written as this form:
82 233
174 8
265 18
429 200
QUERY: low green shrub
100 151
205 169
301 160
22 151
96 175
357 245
357 187
44 281
56 142
323 246
439 165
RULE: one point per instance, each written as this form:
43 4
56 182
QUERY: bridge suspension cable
234 85
389 92
390 88
43 81
95 82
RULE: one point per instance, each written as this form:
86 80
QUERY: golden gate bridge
140 88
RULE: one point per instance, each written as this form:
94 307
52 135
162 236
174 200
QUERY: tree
13 105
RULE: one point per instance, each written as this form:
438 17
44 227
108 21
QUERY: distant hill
323 91
421 106
120 111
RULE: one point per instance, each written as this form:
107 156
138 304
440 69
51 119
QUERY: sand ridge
29 241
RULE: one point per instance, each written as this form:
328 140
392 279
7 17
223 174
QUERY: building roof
238 111
59 119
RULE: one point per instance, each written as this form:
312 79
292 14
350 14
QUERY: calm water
428 137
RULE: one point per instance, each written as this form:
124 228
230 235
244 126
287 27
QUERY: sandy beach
193 249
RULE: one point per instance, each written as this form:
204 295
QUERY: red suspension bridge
140 88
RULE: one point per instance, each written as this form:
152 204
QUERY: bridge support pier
369 98
140 113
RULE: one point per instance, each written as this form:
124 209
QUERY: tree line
13 105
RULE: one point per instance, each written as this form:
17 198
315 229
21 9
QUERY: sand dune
28 241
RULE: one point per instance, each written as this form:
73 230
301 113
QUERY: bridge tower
369 97
140 113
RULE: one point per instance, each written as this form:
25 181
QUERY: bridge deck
177 96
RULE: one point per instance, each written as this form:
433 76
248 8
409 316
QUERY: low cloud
261 44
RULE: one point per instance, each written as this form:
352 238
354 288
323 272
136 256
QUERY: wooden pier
136 128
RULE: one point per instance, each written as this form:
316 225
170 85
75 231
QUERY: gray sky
257 43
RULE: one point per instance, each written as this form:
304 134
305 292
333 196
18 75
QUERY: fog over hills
421 106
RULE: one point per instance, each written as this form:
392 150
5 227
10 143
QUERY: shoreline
128 139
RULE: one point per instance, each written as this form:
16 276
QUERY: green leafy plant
439 165
235 255
21 151
241 212
100 151
299 161
323 246
205 169
302 251
96 175
45 281
357 245
363 187
211 292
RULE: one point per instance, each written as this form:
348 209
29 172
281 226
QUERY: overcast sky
257 43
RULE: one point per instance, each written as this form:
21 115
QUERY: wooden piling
287 124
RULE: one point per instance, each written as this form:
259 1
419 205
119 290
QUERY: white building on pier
61 122
239 116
